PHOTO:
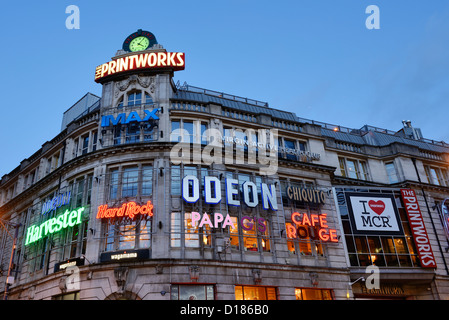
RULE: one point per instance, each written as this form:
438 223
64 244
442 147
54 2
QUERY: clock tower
137 82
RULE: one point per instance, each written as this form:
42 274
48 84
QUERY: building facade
160 191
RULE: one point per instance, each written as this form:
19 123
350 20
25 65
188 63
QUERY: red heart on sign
377 206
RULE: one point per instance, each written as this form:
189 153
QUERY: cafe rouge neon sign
312 226
66 220
128 209
142 61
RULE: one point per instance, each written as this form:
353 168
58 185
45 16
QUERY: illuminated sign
419 231
63 221
142 61
133 116
303 155
125 255
246 222
56 202
129 209
373 213
313 226
212 192
74 262
306 195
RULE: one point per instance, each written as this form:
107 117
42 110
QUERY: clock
138 41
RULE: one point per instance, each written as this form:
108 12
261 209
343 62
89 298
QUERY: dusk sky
314 58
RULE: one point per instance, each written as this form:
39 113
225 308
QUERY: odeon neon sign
212 192
66 220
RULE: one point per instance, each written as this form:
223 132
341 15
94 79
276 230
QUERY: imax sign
133 116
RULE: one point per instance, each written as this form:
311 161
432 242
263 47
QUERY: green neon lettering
63 221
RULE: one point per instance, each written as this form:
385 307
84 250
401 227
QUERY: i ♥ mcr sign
373 214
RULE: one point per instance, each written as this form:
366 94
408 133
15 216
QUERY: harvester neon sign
68 219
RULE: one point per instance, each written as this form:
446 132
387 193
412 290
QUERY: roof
368 135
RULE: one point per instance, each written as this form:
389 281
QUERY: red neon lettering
305 219
323 221
314 219
296 218
130 209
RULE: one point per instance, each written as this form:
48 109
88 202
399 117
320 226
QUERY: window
436 175
85 144
313 294
134 99
68 296
255 293
391 172
122 234
130 181
353 168
191 292
189 131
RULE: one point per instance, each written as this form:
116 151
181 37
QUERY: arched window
135 98
148 99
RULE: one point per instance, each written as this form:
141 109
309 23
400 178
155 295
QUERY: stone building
159 191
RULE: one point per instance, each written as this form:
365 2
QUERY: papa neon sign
313 226
152 60
66 220
129 209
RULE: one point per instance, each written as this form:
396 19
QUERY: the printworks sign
141 61
373 213
419 231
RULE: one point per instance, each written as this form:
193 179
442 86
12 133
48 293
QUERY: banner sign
373 213
419 231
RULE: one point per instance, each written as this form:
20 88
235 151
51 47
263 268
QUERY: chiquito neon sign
66 220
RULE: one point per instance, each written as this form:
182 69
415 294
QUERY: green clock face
139 43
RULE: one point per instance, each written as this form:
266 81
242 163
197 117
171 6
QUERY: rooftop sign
141 61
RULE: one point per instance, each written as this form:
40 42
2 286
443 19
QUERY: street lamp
14 241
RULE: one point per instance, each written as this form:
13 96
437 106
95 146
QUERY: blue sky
314 58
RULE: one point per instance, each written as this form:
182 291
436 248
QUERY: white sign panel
373 214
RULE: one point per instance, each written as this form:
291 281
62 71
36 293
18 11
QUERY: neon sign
129 209
212 192
56 202
313 226
63 221
133 116
306 195
152 60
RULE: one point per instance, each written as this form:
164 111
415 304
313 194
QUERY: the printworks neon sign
133 116
66 220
